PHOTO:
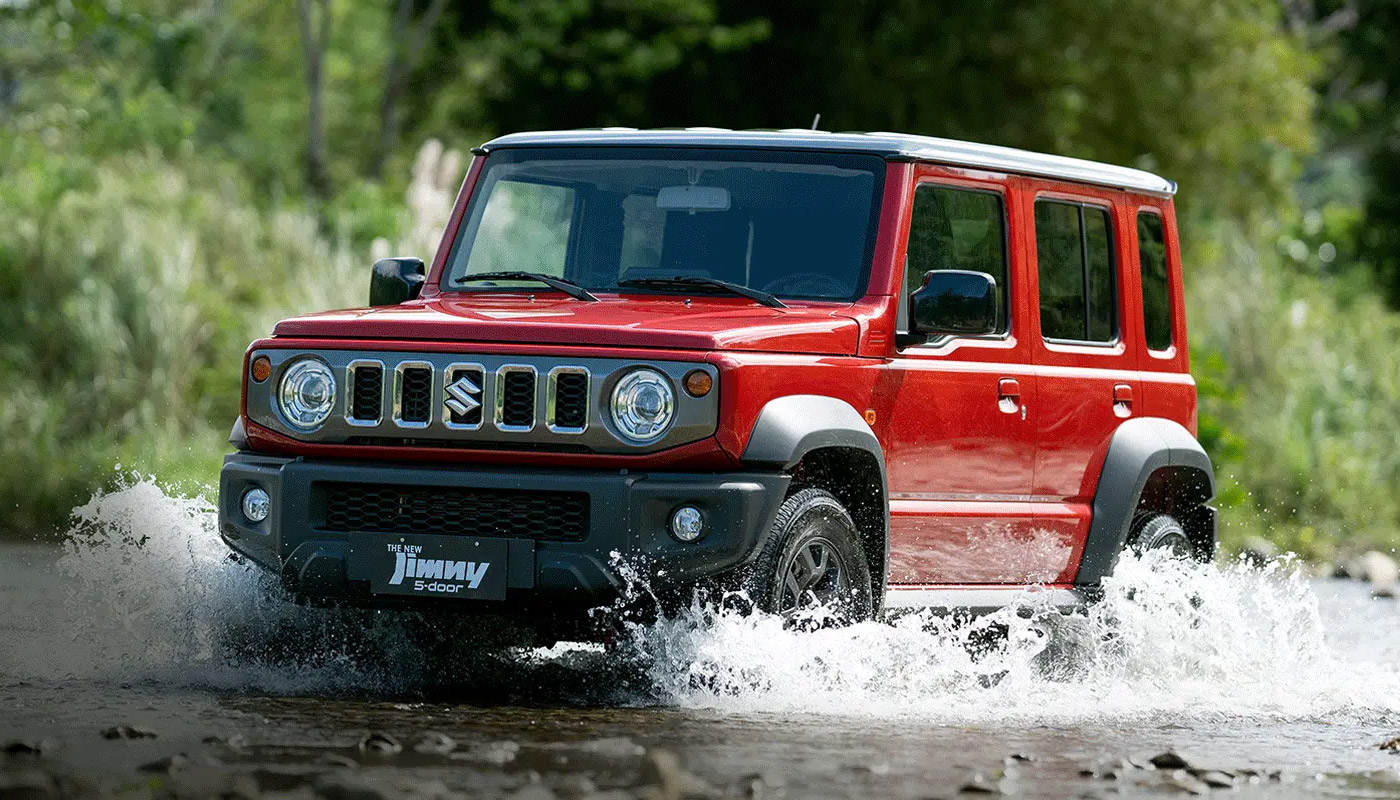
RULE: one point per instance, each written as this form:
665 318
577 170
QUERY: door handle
1122 399
1009 395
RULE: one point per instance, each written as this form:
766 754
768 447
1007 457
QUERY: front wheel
813 566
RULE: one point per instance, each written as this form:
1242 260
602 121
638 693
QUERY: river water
1288 684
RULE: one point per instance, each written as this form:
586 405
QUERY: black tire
813 557
1155 531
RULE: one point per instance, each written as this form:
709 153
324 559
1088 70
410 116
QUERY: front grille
367 393
517 397
555 516
416 395
571 400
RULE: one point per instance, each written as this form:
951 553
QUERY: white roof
890 145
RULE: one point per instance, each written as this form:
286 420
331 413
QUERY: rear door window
957 229
1074 254
1156 291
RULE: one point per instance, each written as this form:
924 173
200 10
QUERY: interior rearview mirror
693 198
396 280
956 302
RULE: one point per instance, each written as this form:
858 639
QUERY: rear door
1085 364
961 449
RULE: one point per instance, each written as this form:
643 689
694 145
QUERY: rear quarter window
1156 286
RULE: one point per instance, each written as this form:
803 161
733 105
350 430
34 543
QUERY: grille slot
366 393
415 394
568 397
515 398
551 516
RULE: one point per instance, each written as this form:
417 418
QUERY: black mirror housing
954 302
396 280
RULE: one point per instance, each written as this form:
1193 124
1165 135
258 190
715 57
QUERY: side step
983 599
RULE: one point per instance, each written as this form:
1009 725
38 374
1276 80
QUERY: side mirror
396 280
954 301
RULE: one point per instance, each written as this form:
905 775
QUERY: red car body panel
993 447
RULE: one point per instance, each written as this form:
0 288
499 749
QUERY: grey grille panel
500 401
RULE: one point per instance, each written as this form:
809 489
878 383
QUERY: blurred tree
1363 104
406 43
1213 93
314 23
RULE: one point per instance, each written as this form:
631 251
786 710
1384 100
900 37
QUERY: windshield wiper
566 286
695 282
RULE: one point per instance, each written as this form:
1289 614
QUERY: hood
664 322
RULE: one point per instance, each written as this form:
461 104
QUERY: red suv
868 371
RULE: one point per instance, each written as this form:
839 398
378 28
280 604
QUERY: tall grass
131 288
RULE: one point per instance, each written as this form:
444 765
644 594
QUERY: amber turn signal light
698 383
262 368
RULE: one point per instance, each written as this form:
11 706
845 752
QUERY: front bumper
626 532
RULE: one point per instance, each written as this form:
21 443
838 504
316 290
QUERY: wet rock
1391 745
1215 778
128 732
1169 760
980 786
165 765
205 782
1258 551
757 786
338 760
662 769
19 748
233 744
576 787
347 786
434 743
614 747
29 784
534 790
380 744
1183 781
1381 571
494 753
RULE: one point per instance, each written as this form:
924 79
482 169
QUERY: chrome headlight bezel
300 409
643 405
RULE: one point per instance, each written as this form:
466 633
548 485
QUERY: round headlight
643 405
307 393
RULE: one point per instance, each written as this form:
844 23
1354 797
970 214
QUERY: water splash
151 594
1170 640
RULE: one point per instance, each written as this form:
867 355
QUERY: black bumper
627 523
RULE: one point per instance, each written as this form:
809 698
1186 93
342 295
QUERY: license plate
431 566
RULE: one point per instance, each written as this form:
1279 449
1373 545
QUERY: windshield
792 224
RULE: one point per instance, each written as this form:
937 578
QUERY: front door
962 449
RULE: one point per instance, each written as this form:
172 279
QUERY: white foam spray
150 593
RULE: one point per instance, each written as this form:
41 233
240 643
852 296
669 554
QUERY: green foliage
1299 392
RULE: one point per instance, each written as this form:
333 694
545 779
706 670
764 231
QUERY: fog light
256 505
688 523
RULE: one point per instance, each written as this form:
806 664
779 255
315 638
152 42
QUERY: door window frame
904 341
1110 210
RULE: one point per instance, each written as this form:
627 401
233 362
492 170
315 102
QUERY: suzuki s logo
463 396
409 567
